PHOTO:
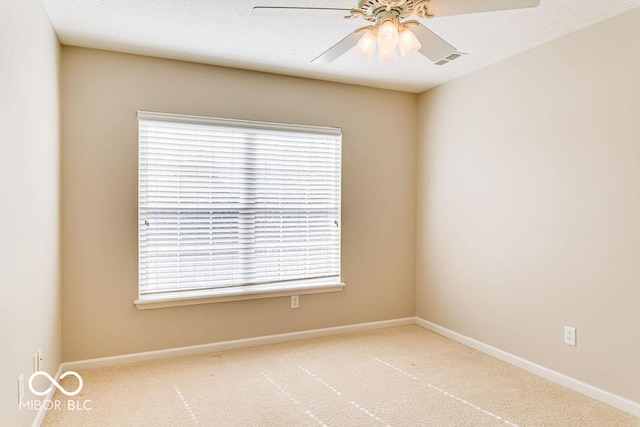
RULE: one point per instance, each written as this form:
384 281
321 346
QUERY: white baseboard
104 362
571 383
42 411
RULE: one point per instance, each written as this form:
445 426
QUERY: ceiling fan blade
460 7
340 48
433 46
299 11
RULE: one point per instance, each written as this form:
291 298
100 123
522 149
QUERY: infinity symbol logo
53 382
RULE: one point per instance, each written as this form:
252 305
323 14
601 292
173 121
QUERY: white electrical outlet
295 301
20 388
570 335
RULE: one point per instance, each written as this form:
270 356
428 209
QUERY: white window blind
229 203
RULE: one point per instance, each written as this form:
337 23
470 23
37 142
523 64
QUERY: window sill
239 293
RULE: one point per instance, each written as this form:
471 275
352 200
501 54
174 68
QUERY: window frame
238 292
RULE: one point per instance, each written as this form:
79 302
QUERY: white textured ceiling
225 33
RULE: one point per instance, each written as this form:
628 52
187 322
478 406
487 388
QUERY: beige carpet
404 376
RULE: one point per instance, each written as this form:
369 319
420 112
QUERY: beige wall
101 93
29 204
529 205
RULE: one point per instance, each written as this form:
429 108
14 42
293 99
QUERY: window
232 209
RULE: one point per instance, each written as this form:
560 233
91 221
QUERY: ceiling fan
391 27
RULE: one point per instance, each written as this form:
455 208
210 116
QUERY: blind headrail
237 123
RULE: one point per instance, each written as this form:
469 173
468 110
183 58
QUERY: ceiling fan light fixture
387 56
389 21
367 44
409 43
388 35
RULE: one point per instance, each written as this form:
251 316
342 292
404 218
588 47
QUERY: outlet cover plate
20 388
570 335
